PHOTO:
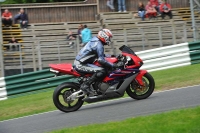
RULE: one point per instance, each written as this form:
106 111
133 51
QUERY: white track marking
98 103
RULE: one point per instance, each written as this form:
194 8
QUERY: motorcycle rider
94 50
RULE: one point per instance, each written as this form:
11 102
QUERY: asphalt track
118 109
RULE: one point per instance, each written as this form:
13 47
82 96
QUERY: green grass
178 121
26 105
177 77
42 102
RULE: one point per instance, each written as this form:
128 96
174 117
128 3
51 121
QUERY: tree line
36 1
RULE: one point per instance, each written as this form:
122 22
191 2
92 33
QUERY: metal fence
38 55
195 22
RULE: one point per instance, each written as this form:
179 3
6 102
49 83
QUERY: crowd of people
8 20
152 9
21 17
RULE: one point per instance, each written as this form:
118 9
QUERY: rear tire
62 92
134 88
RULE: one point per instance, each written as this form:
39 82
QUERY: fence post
2 59
193 20
33 54
173 32
143 39
39 56
20 57
113 48
125 37
160 36
1 49
58 51
184 33
98 7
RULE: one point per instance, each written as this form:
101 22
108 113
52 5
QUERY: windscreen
126 49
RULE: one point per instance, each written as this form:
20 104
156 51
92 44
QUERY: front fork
139 77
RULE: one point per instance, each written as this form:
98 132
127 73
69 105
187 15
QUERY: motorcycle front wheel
139 92
62 92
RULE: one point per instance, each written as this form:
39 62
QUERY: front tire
138 92
60 97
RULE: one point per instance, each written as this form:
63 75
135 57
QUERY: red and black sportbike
138 84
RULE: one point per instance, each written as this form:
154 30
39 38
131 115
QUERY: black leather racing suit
83 63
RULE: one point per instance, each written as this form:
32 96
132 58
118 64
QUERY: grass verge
42 102
178 121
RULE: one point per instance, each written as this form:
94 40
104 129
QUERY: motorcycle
138 84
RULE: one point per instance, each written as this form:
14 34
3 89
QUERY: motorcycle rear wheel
60 97
138 92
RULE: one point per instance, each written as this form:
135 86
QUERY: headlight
128 58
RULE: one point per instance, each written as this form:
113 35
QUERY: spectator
7 18
165 9
150 11
86 35
141 10
13 47
121 6
155 4
80 28
23 19
16 17
71 37
110 4
160 2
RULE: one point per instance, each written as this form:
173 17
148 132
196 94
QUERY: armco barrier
155 59
171 56
29 82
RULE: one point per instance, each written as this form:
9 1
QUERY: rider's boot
86 85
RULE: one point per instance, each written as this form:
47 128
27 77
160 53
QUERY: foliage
36 1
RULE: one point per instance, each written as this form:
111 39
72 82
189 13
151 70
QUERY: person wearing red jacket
155 4
165 9
7 18
150 11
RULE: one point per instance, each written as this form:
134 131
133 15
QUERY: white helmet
104 35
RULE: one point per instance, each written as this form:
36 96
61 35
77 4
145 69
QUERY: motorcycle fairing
137 61
109 59
139 77
65 68
120 75
109 94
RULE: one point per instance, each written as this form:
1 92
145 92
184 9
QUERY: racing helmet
105 36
